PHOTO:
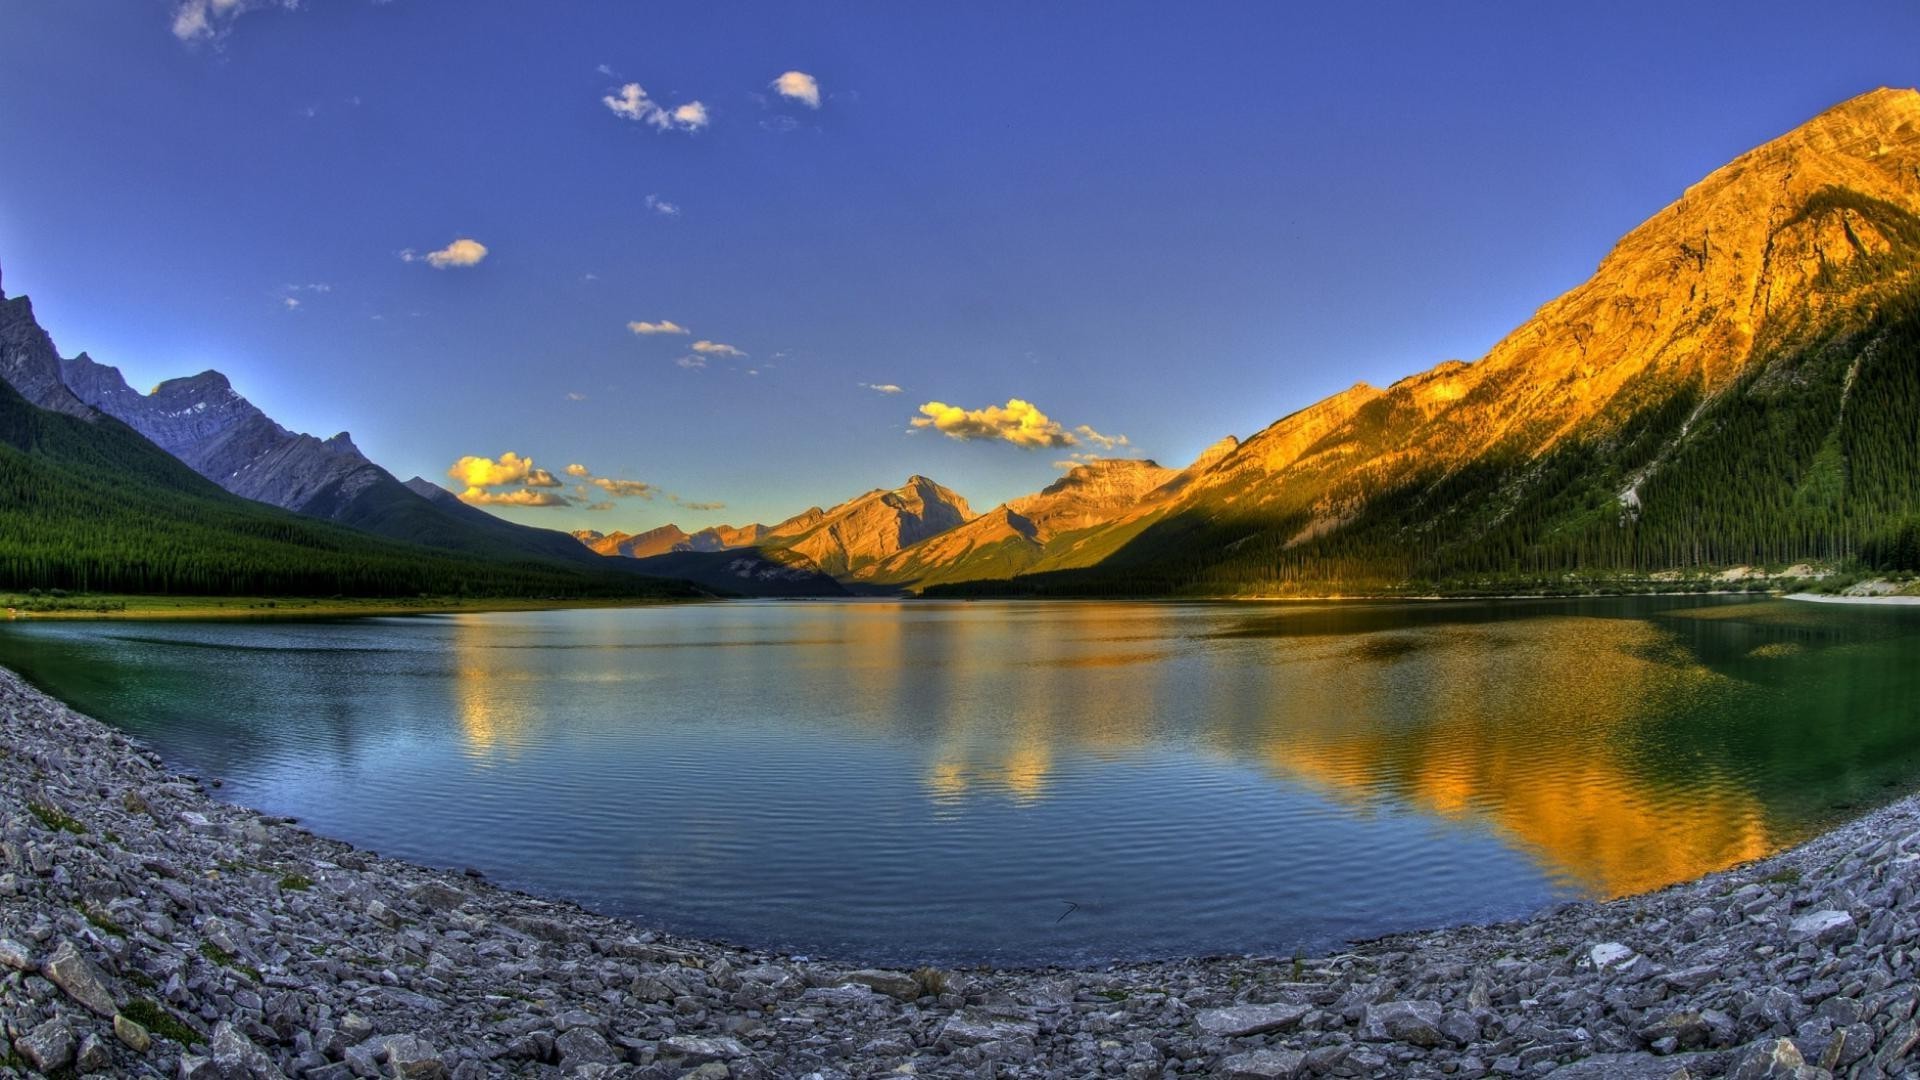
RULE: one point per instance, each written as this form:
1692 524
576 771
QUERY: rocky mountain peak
29 363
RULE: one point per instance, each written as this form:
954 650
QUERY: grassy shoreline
102 606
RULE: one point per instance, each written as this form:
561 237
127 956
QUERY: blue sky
1168 222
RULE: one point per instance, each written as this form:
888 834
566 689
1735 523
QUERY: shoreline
139 910
277 608
1836 598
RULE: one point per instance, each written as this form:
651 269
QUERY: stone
966 1029
237 1058
1823 927
1239 1020
434 896
1622 1067
583 1046
411 1057
131 1034
697 1049
1772 1059
47 1047
1263 1065
93 1054
895 984
1414 1022
1610 955
16 956
76 975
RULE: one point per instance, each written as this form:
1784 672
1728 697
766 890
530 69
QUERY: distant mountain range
1739 382
191 490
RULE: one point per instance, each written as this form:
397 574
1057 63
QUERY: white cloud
662 207
715 348
882 387
203 20
692 363
690 117
632 103
575 395
460 253
1104 442
290 302
1018 422
664 326
577 469
799 86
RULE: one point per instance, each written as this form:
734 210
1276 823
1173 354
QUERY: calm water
1038 782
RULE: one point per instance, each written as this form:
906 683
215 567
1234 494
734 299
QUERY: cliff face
29 363
874 526
225 438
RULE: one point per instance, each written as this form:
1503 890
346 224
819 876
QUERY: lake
1023 783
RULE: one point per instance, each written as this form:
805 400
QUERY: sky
735 260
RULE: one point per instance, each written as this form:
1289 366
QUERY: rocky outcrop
1009 538
222 436
147 930
29 363
636 545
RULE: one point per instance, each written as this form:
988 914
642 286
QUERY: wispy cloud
625 489
664 326
461 253
1104 442
715 348
881 387
1018 422
799 86
631 102
206 20
702 507
662 207
577 469
575 395
691 362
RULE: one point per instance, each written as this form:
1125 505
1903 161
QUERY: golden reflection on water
1530 733
493 711
1530 728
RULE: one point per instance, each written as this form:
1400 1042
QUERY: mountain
224 437
1738 382
92 505
636 545
1010 539
839 542
28 362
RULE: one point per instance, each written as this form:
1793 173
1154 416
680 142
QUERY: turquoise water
1037 782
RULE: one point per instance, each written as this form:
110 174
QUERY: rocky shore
148 930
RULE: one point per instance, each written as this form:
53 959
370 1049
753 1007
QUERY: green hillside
91 505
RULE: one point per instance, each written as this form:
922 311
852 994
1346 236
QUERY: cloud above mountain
1018 422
